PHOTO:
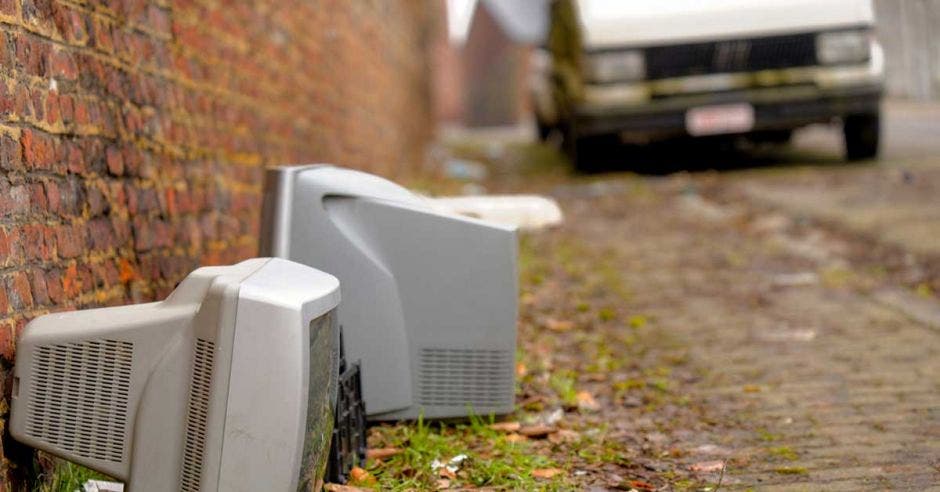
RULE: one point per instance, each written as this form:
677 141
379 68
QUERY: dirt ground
768 328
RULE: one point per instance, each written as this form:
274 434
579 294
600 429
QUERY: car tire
544 130
588 154
862 133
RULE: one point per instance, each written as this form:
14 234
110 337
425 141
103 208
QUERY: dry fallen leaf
564 435
506 426
358 476
513 437
446 472
641 485
381 453
708 466
335 487
443 484
587 402
536 431
521 370
546 472
558 325
751 388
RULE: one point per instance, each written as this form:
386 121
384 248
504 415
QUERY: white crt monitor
227 385
429 298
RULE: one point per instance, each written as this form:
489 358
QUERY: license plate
719 119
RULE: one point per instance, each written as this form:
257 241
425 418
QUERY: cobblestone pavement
818 380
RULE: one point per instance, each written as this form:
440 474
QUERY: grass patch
68 477
493 458
784 452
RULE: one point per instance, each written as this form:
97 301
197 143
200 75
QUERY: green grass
784 452
493 460
68 477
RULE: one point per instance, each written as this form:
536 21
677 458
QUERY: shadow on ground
701 155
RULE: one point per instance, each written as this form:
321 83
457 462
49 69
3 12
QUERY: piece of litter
465 170
799 279
523 211
450 468
708 466
787 335
102 486
553 417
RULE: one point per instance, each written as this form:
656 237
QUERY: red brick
70 240
62 65
37 280
115 160
38 149
11 153
14 199
9 8
54 286
38 241
19 291
7 340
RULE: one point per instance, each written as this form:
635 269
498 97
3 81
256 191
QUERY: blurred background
746 277
500 69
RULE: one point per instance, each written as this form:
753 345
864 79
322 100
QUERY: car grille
729 56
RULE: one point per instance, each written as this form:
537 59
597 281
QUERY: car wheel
544 130
861 136
589 154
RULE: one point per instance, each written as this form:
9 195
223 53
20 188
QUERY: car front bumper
777 108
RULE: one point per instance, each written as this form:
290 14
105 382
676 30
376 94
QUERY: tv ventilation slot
78 399
458 377
197 416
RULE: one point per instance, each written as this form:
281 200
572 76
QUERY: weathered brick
37 281
11 153
4 302
115 160
38 149
70 240
19 291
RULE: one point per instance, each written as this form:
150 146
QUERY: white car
645 70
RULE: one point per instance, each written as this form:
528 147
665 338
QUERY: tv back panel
227 385
429 298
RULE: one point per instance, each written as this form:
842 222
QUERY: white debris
452 465
465 170
102 486
799 279
523 211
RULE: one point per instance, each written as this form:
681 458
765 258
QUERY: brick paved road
828 387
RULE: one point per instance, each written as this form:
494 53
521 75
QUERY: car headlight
617 66
843 47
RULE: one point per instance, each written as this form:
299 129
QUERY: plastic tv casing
228 384
429 298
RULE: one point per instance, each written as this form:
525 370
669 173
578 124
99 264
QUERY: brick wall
133 134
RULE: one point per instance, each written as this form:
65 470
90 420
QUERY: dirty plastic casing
228 384
429 298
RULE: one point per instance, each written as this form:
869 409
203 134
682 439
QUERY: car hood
615 23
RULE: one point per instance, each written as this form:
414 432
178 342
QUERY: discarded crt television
429 298
228 384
